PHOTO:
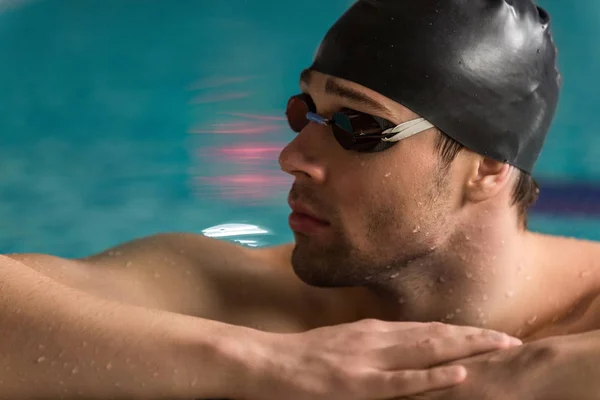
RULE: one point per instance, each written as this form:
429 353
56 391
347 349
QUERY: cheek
373 201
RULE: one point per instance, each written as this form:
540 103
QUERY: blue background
106 109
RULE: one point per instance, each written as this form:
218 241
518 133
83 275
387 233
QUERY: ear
487 178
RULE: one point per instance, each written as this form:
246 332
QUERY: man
419 124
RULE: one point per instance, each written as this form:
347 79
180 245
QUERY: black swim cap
482 71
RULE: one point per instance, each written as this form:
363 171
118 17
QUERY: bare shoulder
576 263
200 276
568 249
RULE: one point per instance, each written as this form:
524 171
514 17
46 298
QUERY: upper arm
195 275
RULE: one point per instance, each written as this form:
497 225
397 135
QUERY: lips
304 220
302 209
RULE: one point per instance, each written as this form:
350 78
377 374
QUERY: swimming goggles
352 129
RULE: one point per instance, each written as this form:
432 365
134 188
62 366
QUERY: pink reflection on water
241 153
256 116
245 128
248 186
216 97
252 170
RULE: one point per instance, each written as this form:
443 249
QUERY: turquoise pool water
122 118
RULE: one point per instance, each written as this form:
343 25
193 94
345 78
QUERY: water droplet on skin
467 237
156 275
388 175
194 382
154 375
92 363
417 229
441 279
61 383
362 163
469 300
41 359
394 276
430 284
450 291
117 384
41 347
583 274
519 332
65 365
449 316
401 300
109 366
368 278
128 264
485 297
528 278
388 267
532 320
75 370
469 275
458 311
509 294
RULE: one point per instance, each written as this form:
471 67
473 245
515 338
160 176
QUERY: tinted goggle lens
297 108
352 129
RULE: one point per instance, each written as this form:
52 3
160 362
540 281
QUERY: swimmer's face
381 210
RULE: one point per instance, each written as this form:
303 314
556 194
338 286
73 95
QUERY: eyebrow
337 89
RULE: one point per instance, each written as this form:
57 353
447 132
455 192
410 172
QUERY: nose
303 156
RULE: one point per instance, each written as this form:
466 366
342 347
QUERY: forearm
57 342
572 368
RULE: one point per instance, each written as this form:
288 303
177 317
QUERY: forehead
344 93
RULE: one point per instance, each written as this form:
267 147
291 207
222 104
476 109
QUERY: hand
557 368
364 360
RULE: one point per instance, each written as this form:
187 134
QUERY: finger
414 382
374 325
433 351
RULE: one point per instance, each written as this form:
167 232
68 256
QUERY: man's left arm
555 368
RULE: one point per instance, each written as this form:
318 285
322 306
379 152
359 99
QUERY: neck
485 275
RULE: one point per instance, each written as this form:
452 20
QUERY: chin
315 268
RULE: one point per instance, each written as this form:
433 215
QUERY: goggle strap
407 129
